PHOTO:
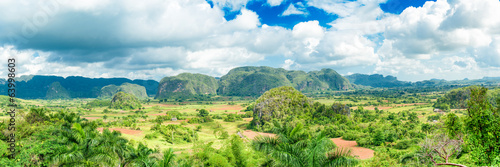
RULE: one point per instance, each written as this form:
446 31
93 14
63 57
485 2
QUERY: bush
403 144
232 118
333 131
150 136
351 135
362 142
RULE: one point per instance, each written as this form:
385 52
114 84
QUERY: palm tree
115 144
84 149
291 149
143 157
168 158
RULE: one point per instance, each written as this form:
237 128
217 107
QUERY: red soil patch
251 134
362 153
123 131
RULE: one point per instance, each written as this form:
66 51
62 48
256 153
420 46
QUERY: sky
412 40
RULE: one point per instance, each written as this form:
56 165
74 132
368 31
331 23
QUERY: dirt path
362 153
123 131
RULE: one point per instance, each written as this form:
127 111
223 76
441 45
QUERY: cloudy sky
410 39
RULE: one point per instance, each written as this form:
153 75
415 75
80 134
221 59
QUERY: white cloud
292 10
275 2
442 39
235 5
290 65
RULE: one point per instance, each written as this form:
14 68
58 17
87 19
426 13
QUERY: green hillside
279 103
57 91
186 85
122 100
254 81
110 90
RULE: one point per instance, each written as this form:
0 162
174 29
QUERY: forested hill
379 81
186 85
38 87
376 80
253 81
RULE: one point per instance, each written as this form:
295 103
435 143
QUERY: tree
288 149
203 113
168 158
142 156
84 149
453 125
483 132
441 145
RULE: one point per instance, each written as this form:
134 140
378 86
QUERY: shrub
403 144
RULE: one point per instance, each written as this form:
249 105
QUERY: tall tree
286 150
482 127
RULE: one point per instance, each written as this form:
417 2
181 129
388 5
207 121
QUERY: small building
174 118
438 110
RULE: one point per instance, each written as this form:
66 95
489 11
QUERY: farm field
364 128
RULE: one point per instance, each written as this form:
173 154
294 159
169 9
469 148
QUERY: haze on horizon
411 40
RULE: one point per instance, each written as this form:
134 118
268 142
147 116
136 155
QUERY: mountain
376 80
122 100
279 103
37 86
110 90
56 91
254 81
186 85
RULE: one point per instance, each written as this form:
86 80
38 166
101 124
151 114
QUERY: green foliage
434 117
279 103
57 91
186 85
123 100
453 125
253 81
377 138
175 133
98 103
290 148
333 131
482 127
134 89
37 115
376 80
232 118
196 120
203 113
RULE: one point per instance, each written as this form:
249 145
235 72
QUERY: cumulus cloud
274 2
293 10
109 38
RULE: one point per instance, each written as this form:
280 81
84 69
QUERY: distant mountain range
240 81
379 81
40 87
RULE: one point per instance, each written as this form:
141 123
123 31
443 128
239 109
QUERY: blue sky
412 40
